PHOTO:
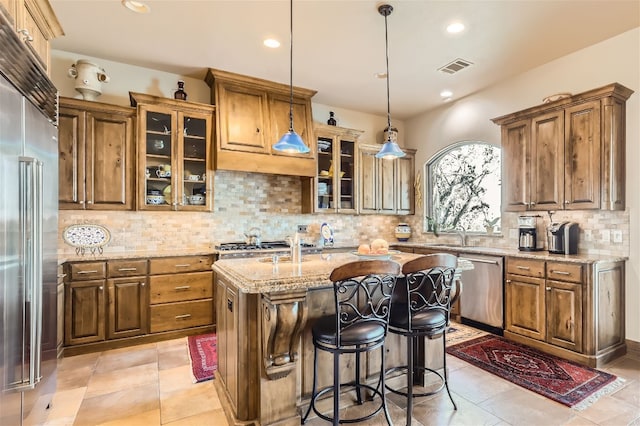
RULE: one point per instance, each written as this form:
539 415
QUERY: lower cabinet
571 309
117 300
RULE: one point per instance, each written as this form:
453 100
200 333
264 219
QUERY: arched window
463 188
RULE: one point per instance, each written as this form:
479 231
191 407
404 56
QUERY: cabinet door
279 121
547 161
405 190
231 324
387 185
71 159
221 328
525 306
127 307
368 182
84 312
582 152
564 315
324 181
156 150
346 175
244 125
516 157
194 140
109 156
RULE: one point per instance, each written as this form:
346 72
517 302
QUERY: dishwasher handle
473 259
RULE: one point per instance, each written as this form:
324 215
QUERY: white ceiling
338 46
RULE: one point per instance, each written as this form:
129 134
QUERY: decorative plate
86 236
327 234
371 256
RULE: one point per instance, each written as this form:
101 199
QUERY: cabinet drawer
182 287
126 268
172 265
527 267
87 271
570 272
176 316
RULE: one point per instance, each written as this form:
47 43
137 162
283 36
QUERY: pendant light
390 150
291 142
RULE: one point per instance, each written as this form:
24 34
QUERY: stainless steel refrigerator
28 235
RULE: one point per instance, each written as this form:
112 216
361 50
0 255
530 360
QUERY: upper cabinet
386 186
568 154
96 156
251 116
336 183
174 154
36 24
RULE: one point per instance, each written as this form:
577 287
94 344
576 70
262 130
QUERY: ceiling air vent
455 66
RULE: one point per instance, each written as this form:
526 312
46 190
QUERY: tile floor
151 385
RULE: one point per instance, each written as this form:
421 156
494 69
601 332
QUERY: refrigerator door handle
31 229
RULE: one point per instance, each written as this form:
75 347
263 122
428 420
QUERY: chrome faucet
462 233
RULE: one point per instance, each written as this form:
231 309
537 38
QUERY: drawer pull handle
87 272
525 268
62 275
127 269
230 305
548 288
183 265
561 272
185 316
183 287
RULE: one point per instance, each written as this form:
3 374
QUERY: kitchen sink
281 259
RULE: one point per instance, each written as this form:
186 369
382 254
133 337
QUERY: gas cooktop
240 249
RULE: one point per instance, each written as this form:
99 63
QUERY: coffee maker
563 238
530 232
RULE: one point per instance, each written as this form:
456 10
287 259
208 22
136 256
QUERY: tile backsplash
272 204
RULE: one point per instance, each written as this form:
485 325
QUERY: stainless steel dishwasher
482 298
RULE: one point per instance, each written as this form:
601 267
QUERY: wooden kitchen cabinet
36 24
335 186
127 299
96 156
386 186
568 154
570 309
227 309
175 165
181 292
251 116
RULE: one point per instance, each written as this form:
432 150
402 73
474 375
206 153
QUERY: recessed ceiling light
380 75
446 94
455 27
136 6
272 43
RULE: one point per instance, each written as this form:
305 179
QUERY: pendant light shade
291 141
390 150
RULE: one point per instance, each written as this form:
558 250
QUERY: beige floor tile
175 379
208 418
73 378
440 411
476 385
627 368
607 408
142 419
170 344
79 361
629 393
188 402
113 381
118 405
65 404
508 405
119 359
576 420
173 356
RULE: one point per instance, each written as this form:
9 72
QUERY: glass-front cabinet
175 165
335 182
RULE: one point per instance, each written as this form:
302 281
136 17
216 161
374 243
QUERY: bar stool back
423 311
363 291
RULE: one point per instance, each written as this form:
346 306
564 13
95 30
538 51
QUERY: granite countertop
138 254
495 251
251 275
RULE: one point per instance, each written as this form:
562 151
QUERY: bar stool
362 293
422 310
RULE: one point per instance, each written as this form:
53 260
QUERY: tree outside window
463 188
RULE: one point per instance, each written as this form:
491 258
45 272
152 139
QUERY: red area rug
563 381
203 355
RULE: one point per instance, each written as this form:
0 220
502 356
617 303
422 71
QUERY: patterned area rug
563 381
203 356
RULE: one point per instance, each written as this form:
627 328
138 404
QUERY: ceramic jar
403 232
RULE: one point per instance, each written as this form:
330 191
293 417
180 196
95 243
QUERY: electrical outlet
302 229
616 235
588 235
605 236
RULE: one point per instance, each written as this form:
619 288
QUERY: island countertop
259 275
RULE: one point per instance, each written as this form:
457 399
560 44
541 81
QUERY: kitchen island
265 351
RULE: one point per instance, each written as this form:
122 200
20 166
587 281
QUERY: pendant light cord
291 67
386 43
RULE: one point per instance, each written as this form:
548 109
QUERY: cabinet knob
89 202
101 288
81 202
566 201
508 281
533 203
25 35
548 288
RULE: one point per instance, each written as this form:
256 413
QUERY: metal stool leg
358 391
409 378
336 389
446 375
383 389
315 382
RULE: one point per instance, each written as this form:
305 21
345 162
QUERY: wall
614 60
